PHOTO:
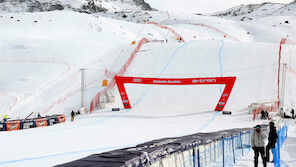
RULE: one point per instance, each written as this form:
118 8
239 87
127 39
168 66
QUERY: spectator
292 113
39 116
272 139
266 115
72 116
5 118
258 144
262 114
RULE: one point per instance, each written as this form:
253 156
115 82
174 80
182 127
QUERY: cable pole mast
82 86
283 89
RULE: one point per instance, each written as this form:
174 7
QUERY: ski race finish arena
228 81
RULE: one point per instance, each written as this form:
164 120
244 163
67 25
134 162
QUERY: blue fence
219 153
223 152
282 136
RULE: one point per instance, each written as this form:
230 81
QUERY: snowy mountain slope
287 10
42 54
202 60
88 6
255 11
162 111
47 41
250 11
209 6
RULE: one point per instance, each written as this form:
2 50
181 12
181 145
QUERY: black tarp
156 149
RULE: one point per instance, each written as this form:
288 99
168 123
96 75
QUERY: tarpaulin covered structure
149 153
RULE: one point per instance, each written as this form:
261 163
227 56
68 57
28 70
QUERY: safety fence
96 100
282 136
257 108
215 29
284 41
105 92
11 125
222 148
275 106
222 152
178 36
168 14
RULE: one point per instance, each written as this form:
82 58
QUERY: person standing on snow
292 113
72 116
258 144
272 139
5 118
262 114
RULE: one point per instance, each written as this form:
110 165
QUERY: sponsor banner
227 81
61 118
27 123
41 122
31 123
12 125
2 126
52 120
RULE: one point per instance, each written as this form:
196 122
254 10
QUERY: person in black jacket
72 116
292 113
272 139
262 114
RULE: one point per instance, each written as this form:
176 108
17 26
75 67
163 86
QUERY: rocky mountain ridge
86 6
252 11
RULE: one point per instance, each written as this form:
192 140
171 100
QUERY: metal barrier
282 136
223 152
11 125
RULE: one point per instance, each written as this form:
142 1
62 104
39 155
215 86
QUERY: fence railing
215 149
223 152
282 136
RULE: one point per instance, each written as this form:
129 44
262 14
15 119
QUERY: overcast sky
203 6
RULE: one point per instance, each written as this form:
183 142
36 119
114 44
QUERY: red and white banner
228 81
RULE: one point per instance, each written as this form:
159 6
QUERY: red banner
12 125
228 81
61 118
41 122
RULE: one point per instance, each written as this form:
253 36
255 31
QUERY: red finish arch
228 81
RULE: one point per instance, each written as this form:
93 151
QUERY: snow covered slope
255 11
250 11
46 51
209 6
287 10
42 54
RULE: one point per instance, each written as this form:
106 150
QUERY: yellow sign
105 82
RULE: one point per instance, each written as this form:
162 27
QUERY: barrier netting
282 136
286 77
222 148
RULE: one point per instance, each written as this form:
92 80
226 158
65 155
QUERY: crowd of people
258 143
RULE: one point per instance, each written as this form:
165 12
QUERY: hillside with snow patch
256 11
